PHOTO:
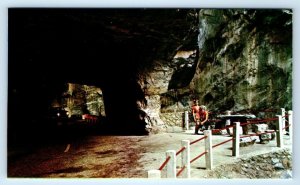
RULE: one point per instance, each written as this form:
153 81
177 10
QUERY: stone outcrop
245 59
273 165
168 68
243 62
173 118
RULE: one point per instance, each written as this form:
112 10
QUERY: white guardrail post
279 132
283 120
186 120
154 174
171 165
236 140
185 158
208 149
227 124
291 125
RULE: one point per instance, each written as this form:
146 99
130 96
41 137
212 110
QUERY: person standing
200 116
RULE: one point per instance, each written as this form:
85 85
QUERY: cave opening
118 83
119 51
51 48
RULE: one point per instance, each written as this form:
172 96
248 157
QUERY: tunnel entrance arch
108 48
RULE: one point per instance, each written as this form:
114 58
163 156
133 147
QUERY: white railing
185 170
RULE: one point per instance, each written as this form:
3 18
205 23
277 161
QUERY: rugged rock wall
167 70
245 59
83 99
243 62
173 118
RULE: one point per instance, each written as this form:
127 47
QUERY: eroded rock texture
243 62
83 99
245 59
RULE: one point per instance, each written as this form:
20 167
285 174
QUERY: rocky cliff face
243 62
245 59
169 66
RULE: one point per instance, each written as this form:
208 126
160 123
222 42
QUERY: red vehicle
90 118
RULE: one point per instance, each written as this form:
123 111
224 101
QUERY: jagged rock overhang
109 48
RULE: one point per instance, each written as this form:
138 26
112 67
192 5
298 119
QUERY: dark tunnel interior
51 47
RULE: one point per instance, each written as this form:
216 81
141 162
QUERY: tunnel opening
51 48
117 50
31 95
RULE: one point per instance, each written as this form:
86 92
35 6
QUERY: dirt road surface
122 156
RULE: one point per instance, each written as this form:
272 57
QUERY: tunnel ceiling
84 45
107 48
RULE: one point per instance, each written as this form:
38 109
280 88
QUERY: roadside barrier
170 162
186 120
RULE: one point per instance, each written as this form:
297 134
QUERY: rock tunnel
149 63
114 49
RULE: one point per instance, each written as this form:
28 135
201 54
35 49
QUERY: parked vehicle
58 115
